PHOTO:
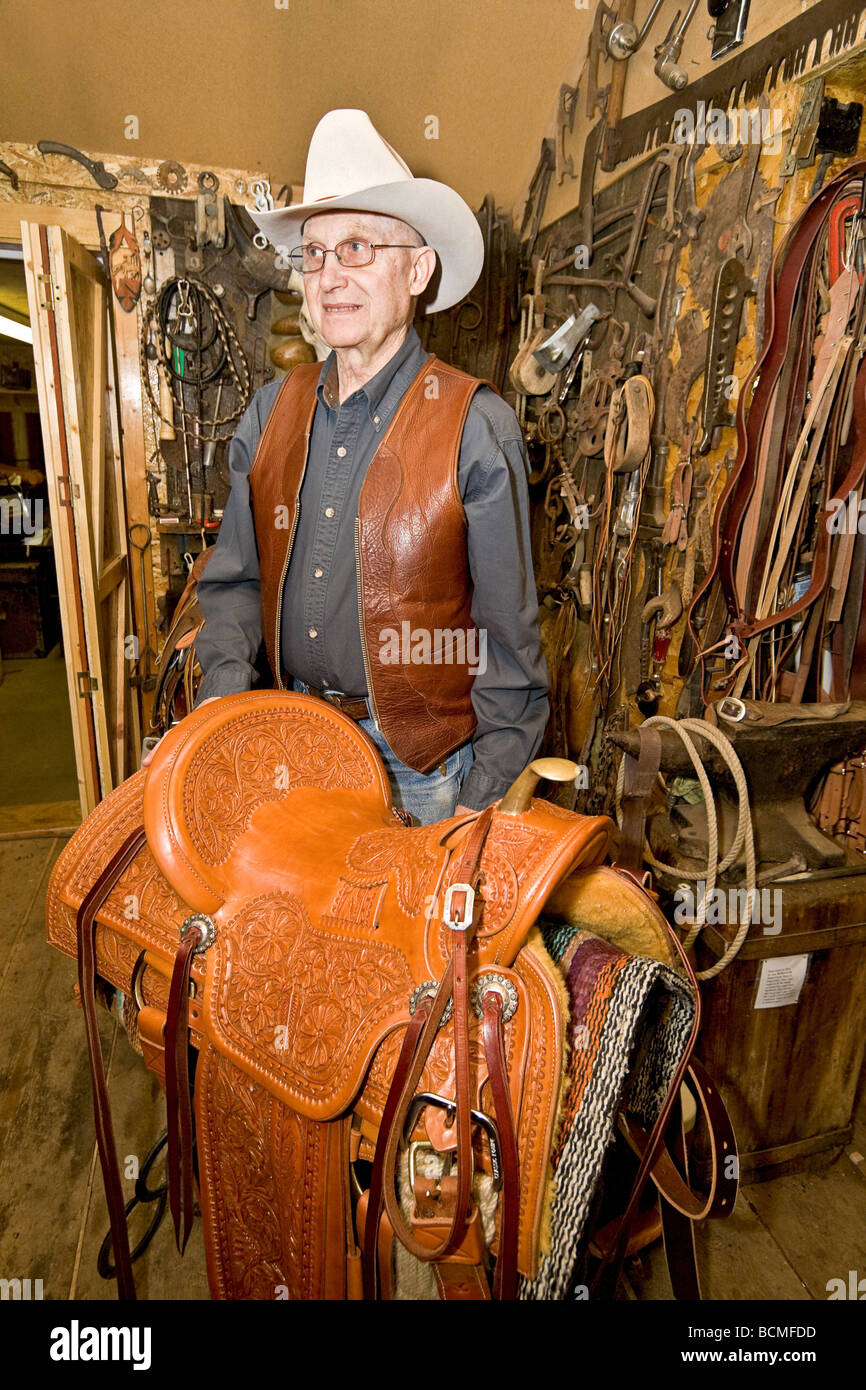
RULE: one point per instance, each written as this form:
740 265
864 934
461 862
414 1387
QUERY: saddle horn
519 795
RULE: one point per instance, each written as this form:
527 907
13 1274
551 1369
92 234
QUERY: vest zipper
278 659
358 573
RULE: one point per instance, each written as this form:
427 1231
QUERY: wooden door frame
81 223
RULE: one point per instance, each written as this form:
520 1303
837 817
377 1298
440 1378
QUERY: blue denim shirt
321 639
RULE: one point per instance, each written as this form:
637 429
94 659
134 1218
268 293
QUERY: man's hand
465 811
148 757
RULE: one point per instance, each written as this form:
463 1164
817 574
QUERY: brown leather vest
414 587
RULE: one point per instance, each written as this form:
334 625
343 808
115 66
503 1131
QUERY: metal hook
263 202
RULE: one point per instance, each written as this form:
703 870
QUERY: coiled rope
744 836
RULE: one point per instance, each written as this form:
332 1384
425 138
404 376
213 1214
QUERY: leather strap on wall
640 775
767 428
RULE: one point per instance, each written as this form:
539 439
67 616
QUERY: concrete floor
37 755
786 1239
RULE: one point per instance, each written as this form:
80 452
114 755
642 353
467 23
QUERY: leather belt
353 705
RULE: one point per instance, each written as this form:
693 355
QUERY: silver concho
205 925
500 985
427 990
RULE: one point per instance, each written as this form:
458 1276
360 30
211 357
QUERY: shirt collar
384 390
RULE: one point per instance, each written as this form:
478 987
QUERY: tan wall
241 84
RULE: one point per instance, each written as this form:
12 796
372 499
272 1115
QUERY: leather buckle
731 709
462 922
479 1117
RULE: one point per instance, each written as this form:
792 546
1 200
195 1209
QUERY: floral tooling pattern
408 856
232 773
300 1002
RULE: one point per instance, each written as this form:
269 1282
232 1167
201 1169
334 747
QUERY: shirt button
329 511
375 419
318 573
341 452
314 632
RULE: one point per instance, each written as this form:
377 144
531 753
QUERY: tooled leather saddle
393 1076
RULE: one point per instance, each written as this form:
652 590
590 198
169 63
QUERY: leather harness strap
86 932
678 1233
676 527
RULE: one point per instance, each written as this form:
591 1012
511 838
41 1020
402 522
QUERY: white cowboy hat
349 165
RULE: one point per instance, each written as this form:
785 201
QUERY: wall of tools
643 310
688 366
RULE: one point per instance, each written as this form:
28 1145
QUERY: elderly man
376 536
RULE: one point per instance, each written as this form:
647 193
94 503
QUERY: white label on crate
780 981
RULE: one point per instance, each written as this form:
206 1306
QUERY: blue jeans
429 796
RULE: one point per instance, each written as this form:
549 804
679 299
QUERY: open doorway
38 779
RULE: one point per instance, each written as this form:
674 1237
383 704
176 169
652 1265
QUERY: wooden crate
789 1075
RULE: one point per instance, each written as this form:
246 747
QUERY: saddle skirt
270 814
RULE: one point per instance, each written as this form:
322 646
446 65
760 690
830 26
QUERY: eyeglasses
353 252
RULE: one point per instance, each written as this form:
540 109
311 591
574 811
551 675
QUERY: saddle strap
177 1093
375 1198
672 1186
604 1284
678 1234
454 983
86 933
505 1281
